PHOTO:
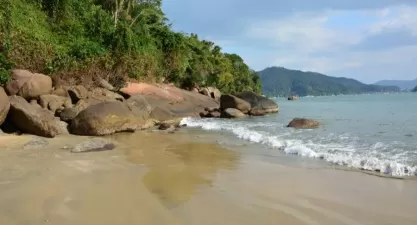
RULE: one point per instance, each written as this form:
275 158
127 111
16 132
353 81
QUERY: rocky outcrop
232 113
4 105
231 101
292 98
31 119
104 118
258 103
77 93
302 123
68 114
140 107
164 92
28 85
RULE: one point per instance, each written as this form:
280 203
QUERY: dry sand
159 178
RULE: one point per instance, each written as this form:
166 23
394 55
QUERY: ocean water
376 132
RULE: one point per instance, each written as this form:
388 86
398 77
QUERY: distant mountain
402 84
414 89
279 81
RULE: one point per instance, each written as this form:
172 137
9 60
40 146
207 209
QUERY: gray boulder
4 105
103 119
94 145
232 113
231 101
32 119
259 103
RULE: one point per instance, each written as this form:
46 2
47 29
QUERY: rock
54 102
139 106
29 85
105 84
257 112
211 92
212 109
214 114
292 98
94 145
69 114
36 143
166 126
231 101
195 90
77 92
63 128
104 118
4 105
31 119
259 102
302 123
164 92
232 113
104 95
61 91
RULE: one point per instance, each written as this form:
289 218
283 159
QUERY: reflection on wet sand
177 170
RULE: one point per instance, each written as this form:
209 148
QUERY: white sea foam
340 154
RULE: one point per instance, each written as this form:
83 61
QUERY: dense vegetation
278 81
129 39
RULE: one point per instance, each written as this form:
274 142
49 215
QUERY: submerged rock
36 143
94 145
302 123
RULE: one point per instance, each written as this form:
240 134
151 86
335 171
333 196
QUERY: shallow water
368 132
156 178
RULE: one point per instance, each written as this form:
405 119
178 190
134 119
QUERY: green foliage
125 38
279 81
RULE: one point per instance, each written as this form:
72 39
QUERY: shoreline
187 178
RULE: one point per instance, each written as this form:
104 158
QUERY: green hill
118 39
414 89
279 81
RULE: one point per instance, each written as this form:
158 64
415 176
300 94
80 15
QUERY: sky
368 40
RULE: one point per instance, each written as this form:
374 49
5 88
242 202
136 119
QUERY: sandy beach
158 178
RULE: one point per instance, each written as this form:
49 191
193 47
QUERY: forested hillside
278 81
119 39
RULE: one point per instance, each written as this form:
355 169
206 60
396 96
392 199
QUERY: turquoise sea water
375 132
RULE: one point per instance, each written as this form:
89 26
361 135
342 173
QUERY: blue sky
368 40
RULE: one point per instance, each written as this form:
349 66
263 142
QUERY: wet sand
157 178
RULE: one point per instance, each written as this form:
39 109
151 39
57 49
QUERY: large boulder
258 103
163 92
139 106
302 123
103 119
4 105
232 113
68 114
32 119
29 85
231 101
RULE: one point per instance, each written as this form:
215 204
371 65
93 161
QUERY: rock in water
32 119
292 98
232 113
94 145
166 126
258 102
302 123
103 119
4 105
29 85
231 101
36 143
